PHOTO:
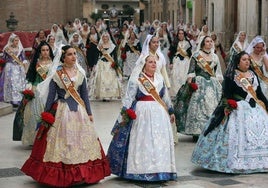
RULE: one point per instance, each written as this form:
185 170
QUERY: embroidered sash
258 71
182 52
41 71
237 48
14 57
249 88
64 77
147 84
110 59
204 65
134 50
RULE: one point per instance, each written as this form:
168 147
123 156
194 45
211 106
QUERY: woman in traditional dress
259 61
58 34
38 70
77 24
85 30
67 151
70 29
151 46
193 108
93 39
132 51
122 39
235 138
40 36
219 51
150 128
51 41
165 40
154 26
12 80
204 32
180 54
76 42
105 81
240 44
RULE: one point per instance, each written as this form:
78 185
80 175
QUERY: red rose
232 103
131 113
123 56
193 86
118 42
54 106
113 65
28 53
28 94
2 61
48 118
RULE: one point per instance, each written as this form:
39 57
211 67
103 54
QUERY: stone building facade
114 11
33 15
225 17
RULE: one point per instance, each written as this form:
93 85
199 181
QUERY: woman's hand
189 80
172 118
226 111
90 118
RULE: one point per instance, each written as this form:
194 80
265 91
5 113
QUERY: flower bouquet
193 86
47 120
28 95
229 106
127 115
123 56
117 68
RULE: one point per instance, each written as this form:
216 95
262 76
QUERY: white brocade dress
150 147
105 81
154 124
32 113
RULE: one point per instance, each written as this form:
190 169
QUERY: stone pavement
5 108
13 155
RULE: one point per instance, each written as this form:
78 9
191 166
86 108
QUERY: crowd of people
170 80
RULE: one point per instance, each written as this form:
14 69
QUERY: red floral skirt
60 174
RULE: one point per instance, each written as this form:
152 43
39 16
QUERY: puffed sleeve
51 95
84 96
191 71
130 95
167 100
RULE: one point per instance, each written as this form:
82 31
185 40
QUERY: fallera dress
237 143
68 152
143 149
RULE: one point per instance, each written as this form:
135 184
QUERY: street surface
13 155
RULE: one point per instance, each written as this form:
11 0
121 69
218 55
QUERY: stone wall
33 15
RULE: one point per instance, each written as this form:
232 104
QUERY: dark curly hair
63 50
31 73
